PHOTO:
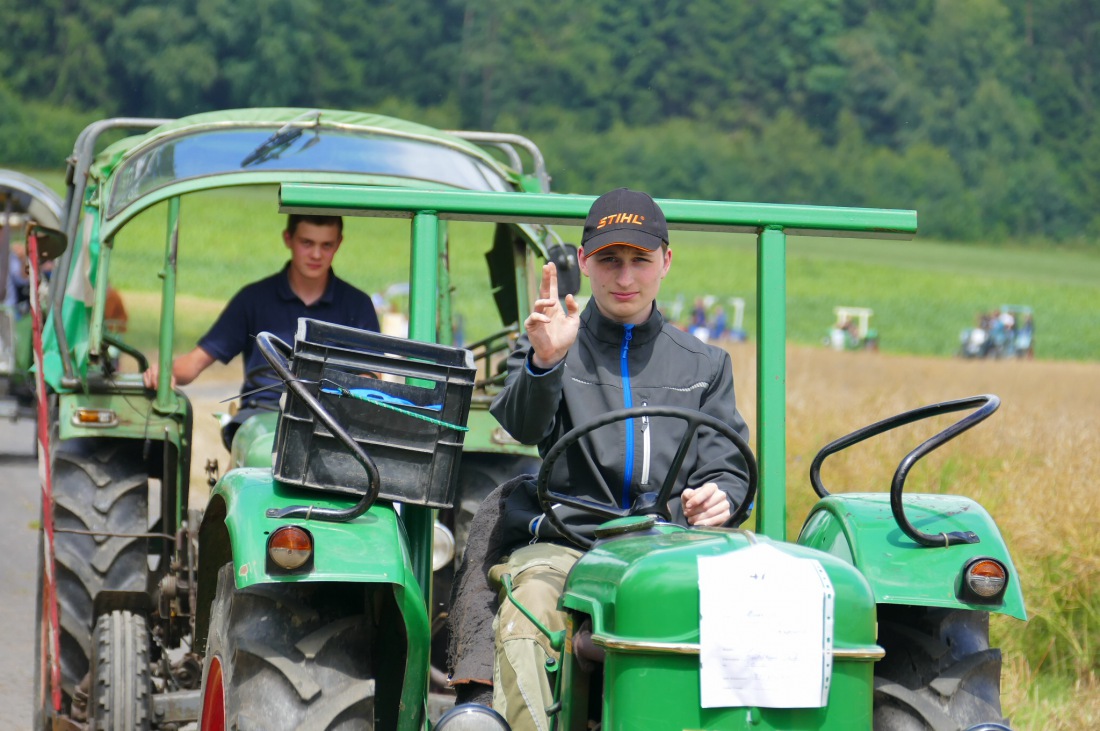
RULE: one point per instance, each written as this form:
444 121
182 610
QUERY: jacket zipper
628 402
645 446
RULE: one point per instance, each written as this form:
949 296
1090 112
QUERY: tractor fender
860 528
371 548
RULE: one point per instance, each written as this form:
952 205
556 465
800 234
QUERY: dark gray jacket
612 366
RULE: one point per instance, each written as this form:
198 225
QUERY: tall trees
782 100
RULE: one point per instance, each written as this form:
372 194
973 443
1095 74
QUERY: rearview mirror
51 242
564 257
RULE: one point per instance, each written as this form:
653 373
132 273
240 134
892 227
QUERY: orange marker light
95 417
986 577
290 547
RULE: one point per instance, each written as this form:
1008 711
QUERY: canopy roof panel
265 143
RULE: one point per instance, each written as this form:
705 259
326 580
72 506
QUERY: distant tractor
852 329
23 201
1006 332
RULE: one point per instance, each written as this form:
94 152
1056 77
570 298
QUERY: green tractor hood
644 598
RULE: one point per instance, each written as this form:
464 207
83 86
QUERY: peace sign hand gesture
551 329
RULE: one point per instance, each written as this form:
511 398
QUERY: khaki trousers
521 687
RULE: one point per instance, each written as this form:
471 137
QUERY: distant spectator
718 329
459 330
1025 339
699 320
997 332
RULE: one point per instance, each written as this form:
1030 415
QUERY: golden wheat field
1033 465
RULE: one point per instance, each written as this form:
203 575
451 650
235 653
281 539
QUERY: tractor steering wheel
647 503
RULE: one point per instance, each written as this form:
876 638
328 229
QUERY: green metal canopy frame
772 223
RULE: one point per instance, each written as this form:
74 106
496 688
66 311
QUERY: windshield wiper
276 144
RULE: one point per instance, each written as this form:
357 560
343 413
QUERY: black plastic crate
417 458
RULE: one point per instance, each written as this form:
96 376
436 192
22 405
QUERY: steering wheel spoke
693 425
592 507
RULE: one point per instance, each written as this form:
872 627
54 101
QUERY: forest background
981 114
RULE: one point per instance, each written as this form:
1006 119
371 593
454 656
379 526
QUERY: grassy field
923 293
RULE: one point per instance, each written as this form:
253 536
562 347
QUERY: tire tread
939 672
98 486
282 664
121 683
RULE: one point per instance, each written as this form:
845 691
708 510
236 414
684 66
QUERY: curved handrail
276 352
504 141
79 164
985 404
130 350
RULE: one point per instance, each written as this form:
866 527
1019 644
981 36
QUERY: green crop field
923 293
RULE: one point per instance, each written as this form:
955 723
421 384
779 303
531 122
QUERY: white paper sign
765 630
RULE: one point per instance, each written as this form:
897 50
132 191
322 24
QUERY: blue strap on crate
393 403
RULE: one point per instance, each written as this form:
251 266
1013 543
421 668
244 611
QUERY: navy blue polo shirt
271 305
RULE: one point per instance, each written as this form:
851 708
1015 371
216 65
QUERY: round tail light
986 577
290 547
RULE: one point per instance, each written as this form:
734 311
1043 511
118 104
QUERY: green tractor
852 330
877 616
302 596
131 563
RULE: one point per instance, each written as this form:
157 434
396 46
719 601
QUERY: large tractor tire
292 656
939 673
121 684
99 487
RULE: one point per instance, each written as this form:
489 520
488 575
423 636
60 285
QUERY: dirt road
19 524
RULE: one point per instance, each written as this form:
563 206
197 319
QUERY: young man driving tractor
572 366
305 287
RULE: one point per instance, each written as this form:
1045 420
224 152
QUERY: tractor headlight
443 548
984 580
289 548
471 717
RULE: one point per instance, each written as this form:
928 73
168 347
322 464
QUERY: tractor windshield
222 151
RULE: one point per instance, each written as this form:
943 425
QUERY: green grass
923 293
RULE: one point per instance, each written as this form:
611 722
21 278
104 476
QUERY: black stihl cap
627 217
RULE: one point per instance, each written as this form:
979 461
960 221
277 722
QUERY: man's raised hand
551 329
